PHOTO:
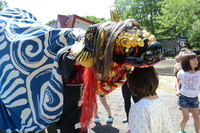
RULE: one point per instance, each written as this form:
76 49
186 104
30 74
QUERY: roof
69 22
53 24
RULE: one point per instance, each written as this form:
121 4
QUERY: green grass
169 58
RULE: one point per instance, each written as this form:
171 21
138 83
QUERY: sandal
110 119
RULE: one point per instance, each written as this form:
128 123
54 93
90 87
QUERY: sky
47 10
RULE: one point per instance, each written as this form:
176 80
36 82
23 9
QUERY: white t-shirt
150 116
190 83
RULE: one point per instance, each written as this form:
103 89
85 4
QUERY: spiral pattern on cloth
30 82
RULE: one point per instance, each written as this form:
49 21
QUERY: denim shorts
187 102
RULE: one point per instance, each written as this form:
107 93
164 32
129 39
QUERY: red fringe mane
89 98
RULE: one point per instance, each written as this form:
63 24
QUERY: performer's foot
124 121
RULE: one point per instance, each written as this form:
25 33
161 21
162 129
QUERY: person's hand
178 93
77 63
177 68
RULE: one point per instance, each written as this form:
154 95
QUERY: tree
50 22
3 5
143 11
122 5
95 19
180 18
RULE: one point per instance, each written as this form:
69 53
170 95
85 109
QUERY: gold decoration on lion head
133 38
130 38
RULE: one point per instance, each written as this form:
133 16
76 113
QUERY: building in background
73 21
172 46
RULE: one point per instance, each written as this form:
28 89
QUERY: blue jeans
187 102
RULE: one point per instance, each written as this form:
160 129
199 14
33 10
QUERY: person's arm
178 86
66 63
176 69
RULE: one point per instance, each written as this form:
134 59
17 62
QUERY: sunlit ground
166 84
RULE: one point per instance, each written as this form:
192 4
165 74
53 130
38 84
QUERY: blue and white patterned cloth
30 82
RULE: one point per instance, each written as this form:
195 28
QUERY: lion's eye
149 57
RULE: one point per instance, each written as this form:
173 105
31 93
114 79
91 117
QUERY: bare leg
195 115
105 104
185 113
96 113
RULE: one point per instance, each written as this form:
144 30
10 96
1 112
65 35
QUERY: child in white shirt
188 92
149 115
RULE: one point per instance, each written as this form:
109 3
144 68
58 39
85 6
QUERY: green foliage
3 5
169 58
180 18
143 11
165 18
122 6
95 19
50 22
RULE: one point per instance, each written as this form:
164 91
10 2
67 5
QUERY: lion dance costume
37 65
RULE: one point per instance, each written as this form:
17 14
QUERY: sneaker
110 119
181 132
96 119
124 121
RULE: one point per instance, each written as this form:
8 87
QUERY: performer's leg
43 131
52 128
127 98
71 112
